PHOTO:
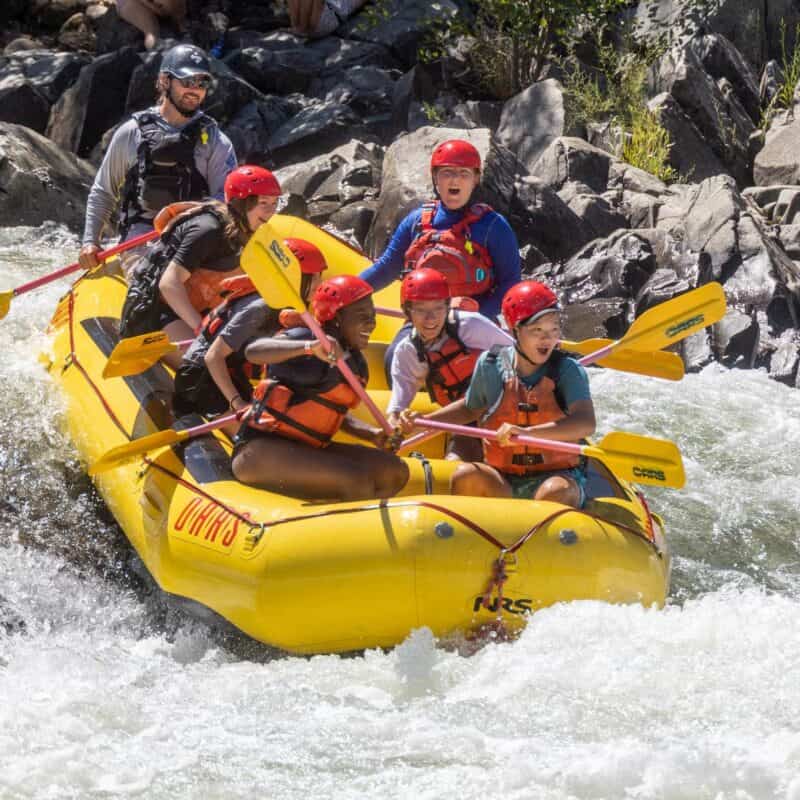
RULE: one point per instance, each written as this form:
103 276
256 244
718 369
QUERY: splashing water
107 691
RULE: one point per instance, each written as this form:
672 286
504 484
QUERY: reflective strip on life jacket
522 406
466 264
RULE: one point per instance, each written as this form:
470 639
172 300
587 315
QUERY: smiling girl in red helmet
181 278
527 388
440 353
286 443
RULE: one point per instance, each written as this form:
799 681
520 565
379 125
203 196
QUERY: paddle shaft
101 256
438 427
482 433
349 376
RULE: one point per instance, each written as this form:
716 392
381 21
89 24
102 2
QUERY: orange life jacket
450 367
466 264
522 406
312 415
232 289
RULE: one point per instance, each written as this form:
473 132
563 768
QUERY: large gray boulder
32 81
715 219
302 135
711 102
94 103
39 181
754 28
690 155
778 162
604 191
329 183
531 120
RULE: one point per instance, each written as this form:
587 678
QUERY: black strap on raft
426 470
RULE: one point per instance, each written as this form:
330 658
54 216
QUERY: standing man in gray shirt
167 153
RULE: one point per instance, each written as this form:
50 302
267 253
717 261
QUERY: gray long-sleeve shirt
213 158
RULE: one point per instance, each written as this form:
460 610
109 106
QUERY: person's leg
560 488
339 472
464 448
177 331
304 15
479 480
141 17
387 473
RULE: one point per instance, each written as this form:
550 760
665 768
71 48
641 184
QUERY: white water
108 693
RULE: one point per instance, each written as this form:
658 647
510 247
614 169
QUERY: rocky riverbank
349 122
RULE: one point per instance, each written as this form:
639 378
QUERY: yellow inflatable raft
323 578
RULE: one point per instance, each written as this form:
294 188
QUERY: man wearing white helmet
167 153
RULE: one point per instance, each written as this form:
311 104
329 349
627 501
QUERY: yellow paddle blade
137 353
640 459
656 364
118 456
273 268
5 302
676 319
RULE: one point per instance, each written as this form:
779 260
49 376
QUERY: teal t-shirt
486 385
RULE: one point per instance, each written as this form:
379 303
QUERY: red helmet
424 284
455 153
526 301
309 255
246 181
336 293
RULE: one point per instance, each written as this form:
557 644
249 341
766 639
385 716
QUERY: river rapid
107 690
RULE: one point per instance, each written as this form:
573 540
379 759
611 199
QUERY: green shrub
511 41
648 146
790 66
613 89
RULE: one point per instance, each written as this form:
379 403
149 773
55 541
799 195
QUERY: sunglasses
195 82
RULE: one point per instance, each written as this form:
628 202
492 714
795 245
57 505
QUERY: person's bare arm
218 369
276 350
173 290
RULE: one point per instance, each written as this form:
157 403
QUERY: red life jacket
312 414
522 406
450 368
466 264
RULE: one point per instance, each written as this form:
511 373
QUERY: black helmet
185 60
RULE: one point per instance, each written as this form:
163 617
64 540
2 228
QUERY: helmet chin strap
520 353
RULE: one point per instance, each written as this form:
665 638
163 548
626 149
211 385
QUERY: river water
108 691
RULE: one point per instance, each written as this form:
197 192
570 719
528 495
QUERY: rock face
348 123
95 102
532 120
38 180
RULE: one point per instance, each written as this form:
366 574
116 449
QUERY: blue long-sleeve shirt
492 231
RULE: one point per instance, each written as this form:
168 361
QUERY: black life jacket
142 308
164 171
